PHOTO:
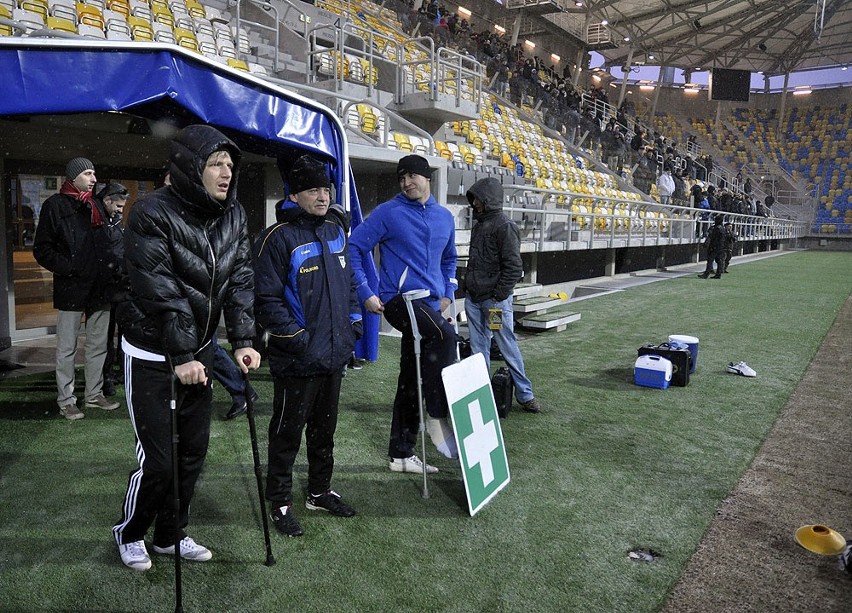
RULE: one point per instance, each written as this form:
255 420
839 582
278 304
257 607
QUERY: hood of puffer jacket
490 193
190 150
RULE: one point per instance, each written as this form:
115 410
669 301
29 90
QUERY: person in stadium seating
494 268
112 199
71 242
665 185
417 247
188 259
306 304
715 243
646 171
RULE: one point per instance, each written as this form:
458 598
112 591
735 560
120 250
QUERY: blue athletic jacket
418 249
304 294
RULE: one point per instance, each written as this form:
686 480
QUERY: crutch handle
415 294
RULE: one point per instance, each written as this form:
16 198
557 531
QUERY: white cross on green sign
482 453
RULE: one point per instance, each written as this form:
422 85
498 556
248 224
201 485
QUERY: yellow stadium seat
186 39
90 15
140 29
238 64
64 25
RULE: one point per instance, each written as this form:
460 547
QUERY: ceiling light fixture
555 57
499 29
627 39
465 12
529 44
604 22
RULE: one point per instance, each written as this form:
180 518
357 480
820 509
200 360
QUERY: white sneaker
442 436
410 465
135 556
189 550
741 368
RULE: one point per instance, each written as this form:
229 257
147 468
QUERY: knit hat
76 166
415 165
307 173
113 189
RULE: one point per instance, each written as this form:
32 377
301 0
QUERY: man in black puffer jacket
308 307
188 260
493 268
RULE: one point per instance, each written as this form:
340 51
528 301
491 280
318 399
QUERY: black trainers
239 408
108 388
331 502
286 522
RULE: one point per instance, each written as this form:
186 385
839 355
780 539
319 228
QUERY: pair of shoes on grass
411 464
287 524
71 412
135 556
741 368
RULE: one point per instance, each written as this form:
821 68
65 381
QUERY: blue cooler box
652 371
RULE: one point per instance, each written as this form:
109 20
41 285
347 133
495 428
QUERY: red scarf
69 189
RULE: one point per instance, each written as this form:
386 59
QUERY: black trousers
437 350
302 403
150 497
717 258
114 354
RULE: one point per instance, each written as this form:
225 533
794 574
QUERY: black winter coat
188 258
305 296
67 245
494 263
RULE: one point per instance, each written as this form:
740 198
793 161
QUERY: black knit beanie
307 173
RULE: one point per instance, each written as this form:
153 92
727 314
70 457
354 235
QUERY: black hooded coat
188 257
494 262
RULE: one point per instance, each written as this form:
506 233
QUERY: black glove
340 216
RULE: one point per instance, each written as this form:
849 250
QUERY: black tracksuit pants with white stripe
299 402
150 493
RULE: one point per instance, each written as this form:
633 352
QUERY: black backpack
504 390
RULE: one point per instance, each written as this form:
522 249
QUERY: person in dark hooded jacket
493 268
188 260
308 308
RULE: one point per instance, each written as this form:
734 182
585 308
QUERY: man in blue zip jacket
416 239
306 304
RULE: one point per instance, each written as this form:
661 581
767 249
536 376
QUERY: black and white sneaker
331 502
286 522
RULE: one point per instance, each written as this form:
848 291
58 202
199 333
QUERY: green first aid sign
482 452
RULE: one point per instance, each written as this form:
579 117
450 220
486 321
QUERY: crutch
409 297
270 559
176 492
455 317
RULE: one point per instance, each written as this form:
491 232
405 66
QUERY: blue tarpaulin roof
165 82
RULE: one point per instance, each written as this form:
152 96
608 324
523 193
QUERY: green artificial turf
607 467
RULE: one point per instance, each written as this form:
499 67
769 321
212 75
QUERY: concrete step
535 304
524 290
549 321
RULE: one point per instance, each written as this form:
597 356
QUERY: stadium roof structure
770 36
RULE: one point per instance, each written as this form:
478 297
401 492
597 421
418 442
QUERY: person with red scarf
70 242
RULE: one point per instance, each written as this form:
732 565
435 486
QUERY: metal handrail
265 6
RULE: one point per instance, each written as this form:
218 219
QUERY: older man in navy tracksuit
306 303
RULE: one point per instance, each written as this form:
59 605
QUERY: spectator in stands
665 185
112 199
416 239
306 302
494 267
704 216
71 242
689 168
646 171
715 244
169 322
747 186
502 77
636 144
679 196
711 197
